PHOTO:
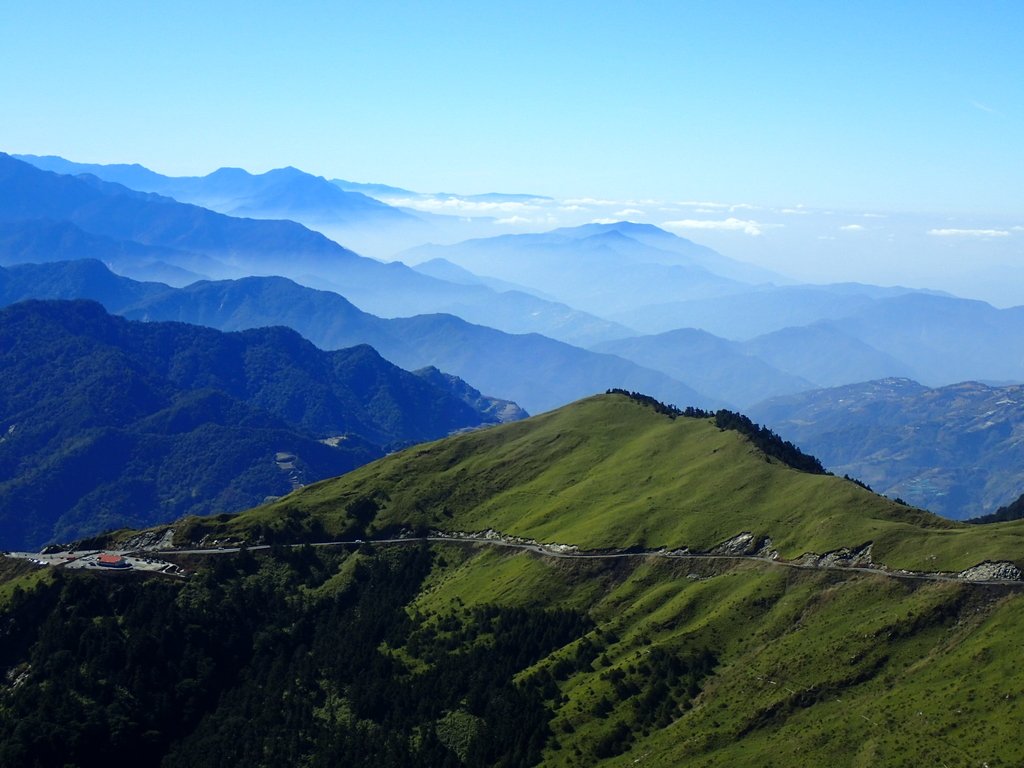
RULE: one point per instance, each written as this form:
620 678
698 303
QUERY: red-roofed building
112 561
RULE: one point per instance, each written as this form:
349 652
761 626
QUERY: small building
112 561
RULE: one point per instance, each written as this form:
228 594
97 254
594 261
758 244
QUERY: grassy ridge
669 661
608 472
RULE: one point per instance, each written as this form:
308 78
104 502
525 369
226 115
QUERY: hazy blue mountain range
114 211
537 372
825 355
443 269
931 338
935 339
348 213
540 373
943 339
106 422
385 191
956 450
168 235
603 269
710 364
283 193
741 316
43 240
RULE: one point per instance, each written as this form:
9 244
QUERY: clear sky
907 106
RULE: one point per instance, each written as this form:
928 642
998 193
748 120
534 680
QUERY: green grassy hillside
466 654
610 472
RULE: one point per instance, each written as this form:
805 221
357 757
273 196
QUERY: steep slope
106 422
956 450
500 410
537 372
462 653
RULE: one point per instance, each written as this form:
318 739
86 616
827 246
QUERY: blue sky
905 106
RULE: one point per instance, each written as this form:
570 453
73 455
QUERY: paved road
549 551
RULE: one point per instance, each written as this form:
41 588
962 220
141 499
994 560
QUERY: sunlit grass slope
811 667
610 472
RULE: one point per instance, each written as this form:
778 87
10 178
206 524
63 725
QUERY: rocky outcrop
492 535
740 544
150 540
840 558
988 571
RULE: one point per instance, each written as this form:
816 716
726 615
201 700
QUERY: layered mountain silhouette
937 340
283 193
744 315
108 422
179 236
537 372
600 268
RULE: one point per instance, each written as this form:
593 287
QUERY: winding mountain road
559 551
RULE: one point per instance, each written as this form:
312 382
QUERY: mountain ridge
537 372
108 421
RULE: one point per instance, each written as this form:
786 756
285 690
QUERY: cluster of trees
665 409
1012 511
769 442
658 688
299 656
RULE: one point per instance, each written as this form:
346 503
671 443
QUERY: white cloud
969 232
459 205
746 226
604 221
514 220
852 228
985 108
591 201
798 211
704 206
625 213
874 215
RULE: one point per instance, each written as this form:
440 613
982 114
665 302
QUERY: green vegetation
107 423
257 665
462 654
762 437
609 472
